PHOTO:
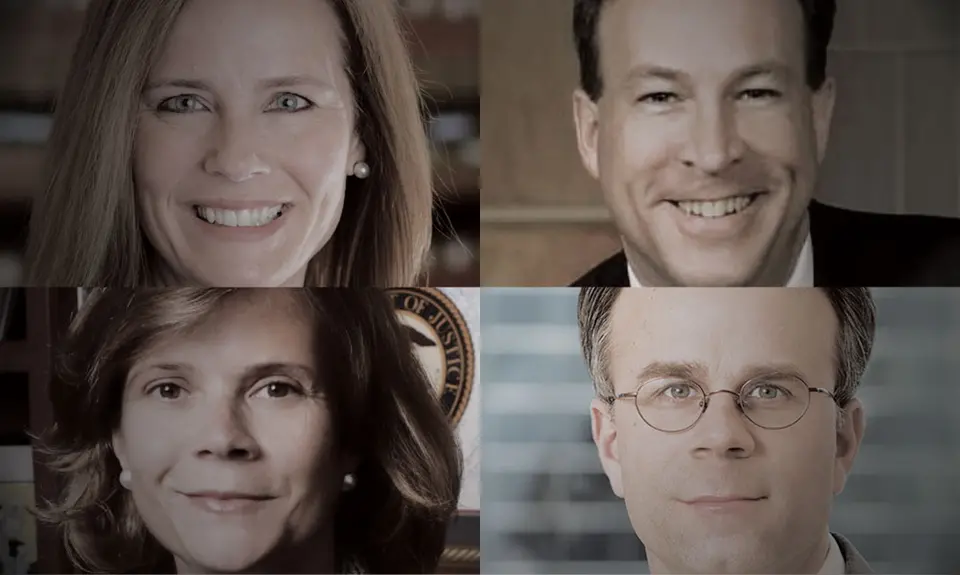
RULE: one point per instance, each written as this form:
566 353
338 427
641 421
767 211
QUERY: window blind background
548 507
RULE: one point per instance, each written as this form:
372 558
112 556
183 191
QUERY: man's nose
714 142
723 429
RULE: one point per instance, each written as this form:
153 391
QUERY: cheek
300 445
643 449
315 154
636 148
164 154
650 475
804 464
152 442
777 137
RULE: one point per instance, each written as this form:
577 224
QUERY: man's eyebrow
643 71
672 369
766 68
698 372
774 68
773 369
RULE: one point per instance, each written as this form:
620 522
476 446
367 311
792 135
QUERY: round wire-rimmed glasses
673 405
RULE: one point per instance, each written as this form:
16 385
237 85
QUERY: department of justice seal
442 342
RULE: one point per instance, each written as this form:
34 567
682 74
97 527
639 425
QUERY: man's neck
811 562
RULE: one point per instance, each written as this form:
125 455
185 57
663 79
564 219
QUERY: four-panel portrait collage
480 286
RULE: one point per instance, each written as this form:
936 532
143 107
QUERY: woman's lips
227 503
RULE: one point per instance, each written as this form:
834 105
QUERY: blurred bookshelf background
36 41
548 507
31 321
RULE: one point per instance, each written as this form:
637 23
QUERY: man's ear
605 437
823 103
586 118
849 436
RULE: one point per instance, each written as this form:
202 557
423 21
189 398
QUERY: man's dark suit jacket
853 562
856 249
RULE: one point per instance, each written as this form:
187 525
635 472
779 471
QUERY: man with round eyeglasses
673 404
727 420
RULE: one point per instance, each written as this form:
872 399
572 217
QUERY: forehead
253 327
727 330
699 37
254 38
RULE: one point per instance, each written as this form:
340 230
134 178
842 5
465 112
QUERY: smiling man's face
706 139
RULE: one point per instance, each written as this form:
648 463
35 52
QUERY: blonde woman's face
245 141
231 459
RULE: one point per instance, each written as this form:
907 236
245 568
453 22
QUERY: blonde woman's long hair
84 228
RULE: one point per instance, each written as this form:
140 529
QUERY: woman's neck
163 276
315 555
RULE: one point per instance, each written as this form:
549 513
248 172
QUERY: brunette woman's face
245 140
231 455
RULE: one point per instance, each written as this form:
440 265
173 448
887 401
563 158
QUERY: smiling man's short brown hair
818 17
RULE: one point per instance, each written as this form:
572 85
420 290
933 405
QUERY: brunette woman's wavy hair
84 228
383 409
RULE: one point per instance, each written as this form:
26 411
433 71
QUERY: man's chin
722 277
710 272
684 263
732 553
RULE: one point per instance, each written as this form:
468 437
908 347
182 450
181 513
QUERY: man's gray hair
854 307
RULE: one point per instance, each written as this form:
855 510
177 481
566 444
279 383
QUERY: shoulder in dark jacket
855 249
612 272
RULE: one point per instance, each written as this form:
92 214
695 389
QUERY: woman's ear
350 463
358 152
119 449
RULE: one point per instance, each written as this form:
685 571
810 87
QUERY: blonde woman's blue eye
182 104
290 103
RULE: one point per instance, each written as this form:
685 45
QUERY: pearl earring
126 478
349 482
361 170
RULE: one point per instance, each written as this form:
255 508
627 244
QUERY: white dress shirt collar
834 564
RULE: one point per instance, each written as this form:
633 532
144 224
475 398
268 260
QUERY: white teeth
239 218
716 209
